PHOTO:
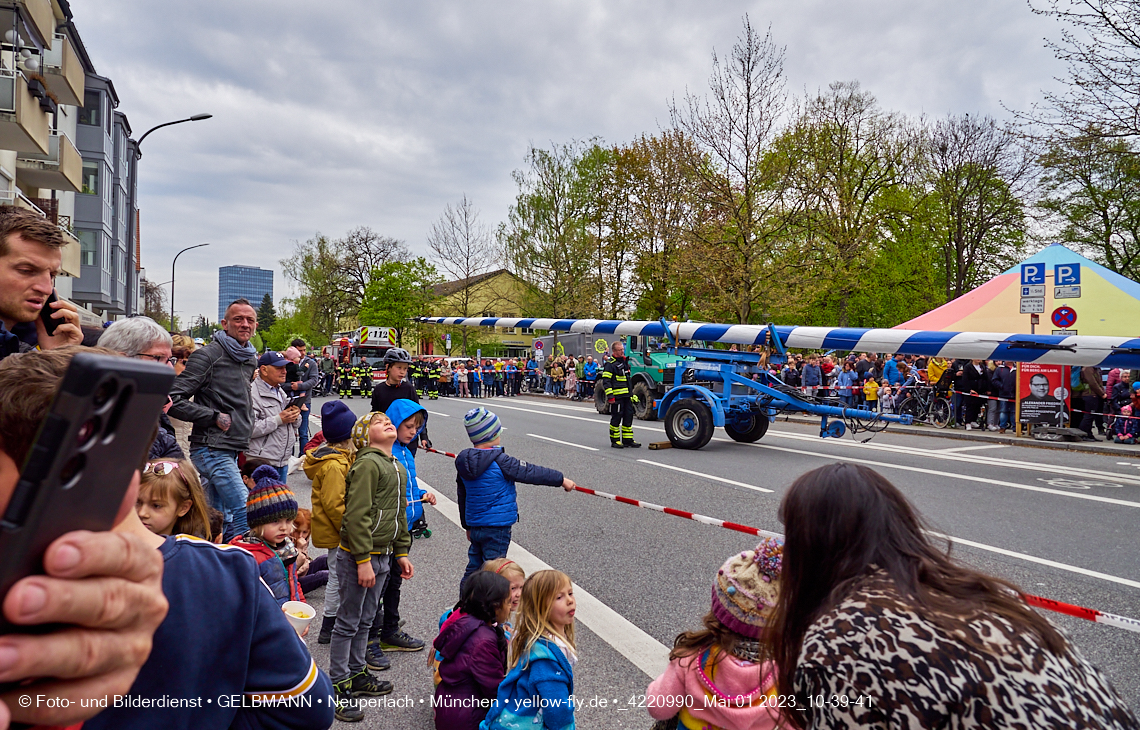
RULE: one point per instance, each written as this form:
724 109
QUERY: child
460 375
571 382
217 523
726 657
886 400
516 576
271 509
171 500
871 394
1125 429
474 650
374 525
327 465
251 464
542 658
386 634
311 574
485 480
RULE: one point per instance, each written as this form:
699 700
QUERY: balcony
49 209
63 73
24 125
40 15
60 169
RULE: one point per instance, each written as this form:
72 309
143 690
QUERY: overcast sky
330 115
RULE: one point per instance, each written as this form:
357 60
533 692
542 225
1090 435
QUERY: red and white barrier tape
1089 614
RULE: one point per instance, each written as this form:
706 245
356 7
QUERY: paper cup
304 611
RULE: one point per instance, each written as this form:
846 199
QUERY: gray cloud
329 115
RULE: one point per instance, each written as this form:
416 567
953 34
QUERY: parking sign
1066 274
1032 274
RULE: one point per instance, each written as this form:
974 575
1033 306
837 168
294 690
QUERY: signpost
1032 274
447 344
1033 305
1067 292
1066 274
1064 317
1034 290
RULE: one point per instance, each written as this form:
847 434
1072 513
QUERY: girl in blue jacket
540 678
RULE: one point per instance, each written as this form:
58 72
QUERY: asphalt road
1059 524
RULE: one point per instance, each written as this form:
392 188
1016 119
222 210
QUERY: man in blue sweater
485 481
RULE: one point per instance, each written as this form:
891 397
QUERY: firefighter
363 373
433 380
344 377
615 381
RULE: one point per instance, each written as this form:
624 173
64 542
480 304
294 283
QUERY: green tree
397 293
266 313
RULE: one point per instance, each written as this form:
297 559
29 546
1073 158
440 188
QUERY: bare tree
154 302
732 129
463 248
360 252
1101 47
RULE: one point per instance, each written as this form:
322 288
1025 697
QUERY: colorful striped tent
1109 303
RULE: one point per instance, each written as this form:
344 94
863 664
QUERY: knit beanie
337 421
270 500
482 425
360 429
747 586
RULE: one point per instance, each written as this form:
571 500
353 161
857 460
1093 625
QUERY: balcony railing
63 73
24 125
60 169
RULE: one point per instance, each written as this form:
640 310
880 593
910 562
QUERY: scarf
240 353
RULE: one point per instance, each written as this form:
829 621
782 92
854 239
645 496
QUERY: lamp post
132 222
200 245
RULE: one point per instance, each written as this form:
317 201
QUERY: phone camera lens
104 392
72 470
89 429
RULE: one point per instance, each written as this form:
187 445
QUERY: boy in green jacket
374 525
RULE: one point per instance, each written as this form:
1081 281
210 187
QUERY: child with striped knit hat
271 508
485 482
719 677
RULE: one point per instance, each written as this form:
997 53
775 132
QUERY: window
92 104
90 178
88 247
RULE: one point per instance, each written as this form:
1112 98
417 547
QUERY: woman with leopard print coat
876 627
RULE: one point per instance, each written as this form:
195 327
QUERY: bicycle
925 405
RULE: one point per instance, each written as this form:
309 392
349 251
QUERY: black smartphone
297 400
50 323
95 435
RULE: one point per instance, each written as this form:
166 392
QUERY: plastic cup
299 622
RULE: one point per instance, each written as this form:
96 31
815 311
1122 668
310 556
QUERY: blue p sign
1032 274
1066 274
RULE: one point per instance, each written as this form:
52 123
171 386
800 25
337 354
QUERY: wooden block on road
660 445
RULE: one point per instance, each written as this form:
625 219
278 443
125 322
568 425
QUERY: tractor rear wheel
644 409
600 404
689 423
748 431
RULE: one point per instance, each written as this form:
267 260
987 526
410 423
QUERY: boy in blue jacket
410 419
485 480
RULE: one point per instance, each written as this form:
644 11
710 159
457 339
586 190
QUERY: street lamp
195 118
200 245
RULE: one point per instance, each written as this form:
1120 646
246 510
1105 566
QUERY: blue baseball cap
274 359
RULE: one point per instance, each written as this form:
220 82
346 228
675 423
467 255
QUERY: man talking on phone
31 254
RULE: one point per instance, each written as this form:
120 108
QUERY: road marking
705 476
646 653
973 448
564 443
437 413
1040 561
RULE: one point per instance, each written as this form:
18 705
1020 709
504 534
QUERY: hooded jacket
485 482
328 468
375 520
217 383
695 677
472 667
401 410
546 674
281 578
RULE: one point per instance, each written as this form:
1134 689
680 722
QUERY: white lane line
646 653
972 448
1040 561
884 464
705 476
564 443
966 477
437 413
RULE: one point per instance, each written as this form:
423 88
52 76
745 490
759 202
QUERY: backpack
1075 383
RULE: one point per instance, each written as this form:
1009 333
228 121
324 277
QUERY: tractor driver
615 381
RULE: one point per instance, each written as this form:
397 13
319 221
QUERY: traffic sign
1067 292
1066 274
1034 290
1033 305
1064 332
538 344
1032 274
1064 317
1035 319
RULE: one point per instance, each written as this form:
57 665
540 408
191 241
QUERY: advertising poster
1042 394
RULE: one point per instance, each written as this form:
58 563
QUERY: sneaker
374 655
400 641
992 428
346 709
365 685
970 427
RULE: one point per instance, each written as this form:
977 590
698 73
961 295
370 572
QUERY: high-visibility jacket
433 370
615 377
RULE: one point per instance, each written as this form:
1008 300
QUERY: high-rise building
236 282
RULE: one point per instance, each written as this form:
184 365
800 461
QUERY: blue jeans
226 491
1005 415
284 472
487 543
304 430
549 384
